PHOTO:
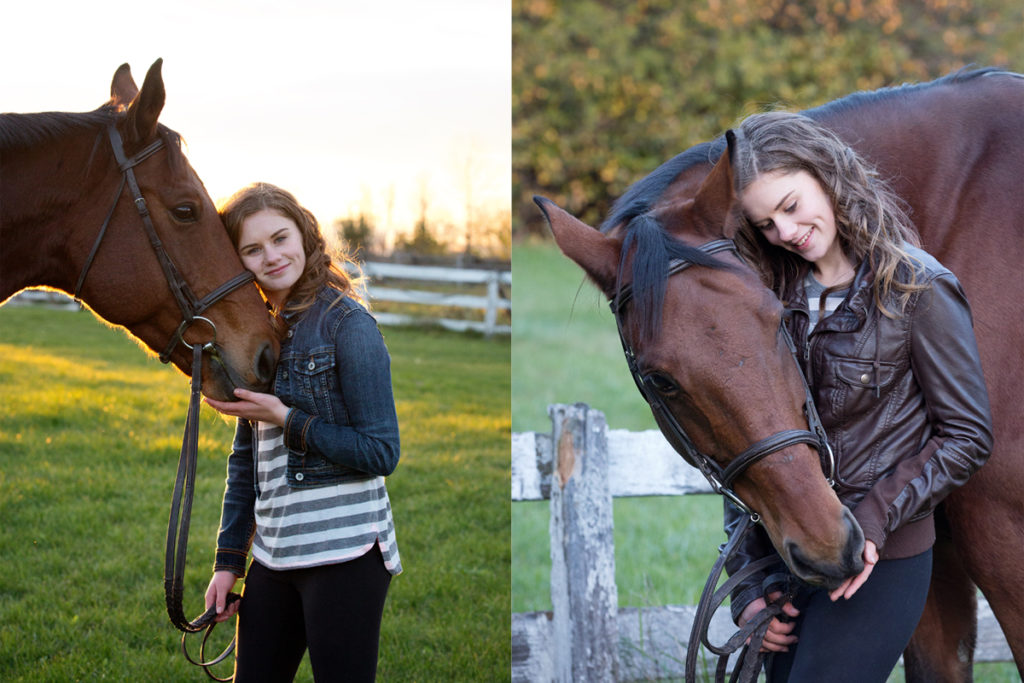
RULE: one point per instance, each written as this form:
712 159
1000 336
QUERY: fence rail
580 467
491 303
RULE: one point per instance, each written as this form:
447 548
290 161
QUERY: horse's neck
42 191
937 149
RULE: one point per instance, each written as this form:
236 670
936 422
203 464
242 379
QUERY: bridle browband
721 478
192 308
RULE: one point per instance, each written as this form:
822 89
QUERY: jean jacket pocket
317 381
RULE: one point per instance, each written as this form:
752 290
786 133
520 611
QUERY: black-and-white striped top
309 527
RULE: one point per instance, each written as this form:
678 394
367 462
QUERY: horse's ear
145 109
594 252
712 212
123 89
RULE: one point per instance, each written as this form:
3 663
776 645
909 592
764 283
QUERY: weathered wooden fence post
584 597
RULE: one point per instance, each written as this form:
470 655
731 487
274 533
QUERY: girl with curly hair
305 488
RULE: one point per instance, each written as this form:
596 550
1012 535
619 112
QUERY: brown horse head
62 184
707 342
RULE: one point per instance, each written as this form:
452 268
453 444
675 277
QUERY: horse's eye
185 213
662 383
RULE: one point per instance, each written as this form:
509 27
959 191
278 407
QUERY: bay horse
953 149
104 206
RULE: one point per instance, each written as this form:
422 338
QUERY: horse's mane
655 247
864 98
18 131
22 131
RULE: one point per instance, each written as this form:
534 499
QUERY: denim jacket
334 374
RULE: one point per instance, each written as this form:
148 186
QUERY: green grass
89 437
564 345
565 350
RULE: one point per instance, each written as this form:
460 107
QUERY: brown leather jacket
905 407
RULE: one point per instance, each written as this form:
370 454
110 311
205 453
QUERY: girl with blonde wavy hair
890 356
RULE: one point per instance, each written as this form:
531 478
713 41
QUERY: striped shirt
814 290
309 527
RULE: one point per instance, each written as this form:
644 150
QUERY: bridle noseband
722 478
192 307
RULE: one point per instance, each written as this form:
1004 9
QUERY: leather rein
721 480
192 308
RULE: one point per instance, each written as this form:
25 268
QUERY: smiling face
270 245
792 211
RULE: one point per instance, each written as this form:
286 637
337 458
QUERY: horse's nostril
265 362
800 565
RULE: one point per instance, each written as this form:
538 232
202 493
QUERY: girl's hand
217 594
779 636
849 587
253 406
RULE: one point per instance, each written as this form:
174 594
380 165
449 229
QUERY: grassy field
564 350
89 436
564 345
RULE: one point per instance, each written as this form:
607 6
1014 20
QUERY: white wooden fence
491 303
580 466
378 273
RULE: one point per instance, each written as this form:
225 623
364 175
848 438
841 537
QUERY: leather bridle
721 478
192 308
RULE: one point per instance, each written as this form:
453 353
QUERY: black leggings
857 640
334 610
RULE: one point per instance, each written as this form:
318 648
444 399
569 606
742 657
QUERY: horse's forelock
652 250
173 142
645 242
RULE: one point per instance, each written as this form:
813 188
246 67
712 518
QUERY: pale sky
345 103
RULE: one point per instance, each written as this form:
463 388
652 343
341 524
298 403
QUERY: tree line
484 234
604 91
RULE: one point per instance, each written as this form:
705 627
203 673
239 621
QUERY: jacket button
312 365
299 476
289 335
865 378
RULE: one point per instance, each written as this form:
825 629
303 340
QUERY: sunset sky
350 105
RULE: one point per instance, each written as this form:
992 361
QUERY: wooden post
584 597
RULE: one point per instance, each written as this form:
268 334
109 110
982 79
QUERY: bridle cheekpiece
192 307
